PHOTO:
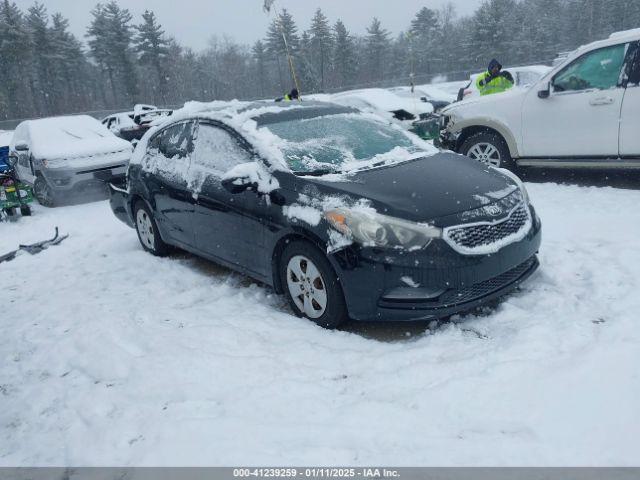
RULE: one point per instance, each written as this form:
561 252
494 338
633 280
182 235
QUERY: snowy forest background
45 70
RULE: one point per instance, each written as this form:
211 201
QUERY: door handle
601 101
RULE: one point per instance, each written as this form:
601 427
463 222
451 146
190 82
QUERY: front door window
599 70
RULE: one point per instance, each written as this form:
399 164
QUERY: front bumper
446 140
75 180
120 202
434 283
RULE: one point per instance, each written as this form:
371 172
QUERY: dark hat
493 64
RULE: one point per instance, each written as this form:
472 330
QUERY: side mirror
12 160
21 147
237 185
545 93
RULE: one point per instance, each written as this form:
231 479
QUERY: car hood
422 190
496 97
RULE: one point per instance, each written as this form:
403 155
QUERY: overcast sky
193 22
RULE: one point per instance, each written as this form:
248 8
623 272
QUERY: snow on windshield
343 142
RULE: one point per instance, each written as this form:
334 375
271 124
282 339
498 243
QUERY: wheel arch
282 242
488 127
137 197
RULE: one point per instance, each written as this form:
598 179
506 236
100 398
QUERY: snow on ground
110 356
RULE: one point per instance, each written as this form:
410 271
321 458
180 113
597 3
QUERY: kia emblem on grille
493 210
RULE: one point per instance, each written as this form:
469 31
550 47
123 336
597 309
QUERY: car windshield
334 143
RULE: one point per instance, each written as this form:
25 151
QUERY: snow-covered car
122 125
413 114
522 77
583 113
132 126
348 215
427 94
60 155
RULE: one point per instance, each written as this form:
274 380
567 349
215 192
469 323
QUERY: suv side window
217 150
599 69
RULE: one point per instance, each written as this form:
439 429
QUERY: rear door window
600 69
169 152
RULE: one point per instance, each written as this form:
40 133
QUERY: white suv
583 113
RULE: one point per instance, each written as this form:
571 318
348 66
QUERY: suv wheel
148 231
488 148
311 285
43 192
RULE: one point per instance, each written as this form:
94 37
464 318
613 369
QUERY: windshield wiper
317 172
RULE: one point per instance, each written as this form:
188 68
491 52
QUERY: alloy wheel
306 286
145 228
485 153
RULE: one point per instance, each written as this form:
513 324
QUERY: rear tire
43 192
311 285
147 230
488 148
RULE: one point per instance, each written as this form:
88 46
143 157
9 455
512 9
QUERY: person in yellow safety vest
292 95
494 80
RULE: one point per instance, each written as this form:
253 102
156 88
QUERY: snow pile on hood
380 100
69 137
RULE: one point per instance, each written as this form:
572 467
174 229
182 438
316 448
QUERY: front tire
488 148
147 230
311 285
43 192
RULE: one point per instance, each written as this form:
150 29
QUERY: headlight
374 229
515 178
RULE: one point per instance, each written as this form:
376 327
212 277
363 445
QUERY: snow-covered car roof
248 118
141 108
381 100
67 137
125 118
613 39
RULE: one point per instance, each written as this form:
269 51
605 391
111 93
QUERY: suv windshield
341 142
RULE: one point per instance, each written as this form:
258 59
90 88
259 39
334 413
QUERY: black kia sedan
347 215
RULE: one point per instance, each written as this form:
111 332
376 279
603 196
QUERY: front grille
489 237
482 289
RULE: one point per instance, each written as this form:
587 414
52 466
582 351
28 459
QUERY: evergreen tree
14 60
423 40
71 74
492 32
152 48
344 56
110 37
321 46
377 44
281 28
37 21
308 76
260 58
